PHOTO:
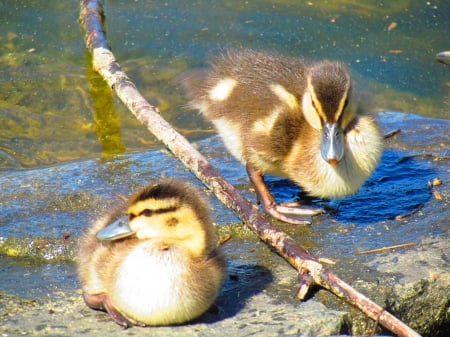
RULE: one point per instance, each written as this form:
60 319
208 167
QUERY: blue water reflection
396 188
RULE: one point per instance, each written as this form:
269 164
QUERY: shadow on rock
242 282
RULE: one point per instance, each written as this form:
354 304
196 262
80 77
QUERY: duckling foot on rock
103 302
270 206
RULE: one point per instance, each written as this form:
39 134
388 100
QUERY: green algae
35 251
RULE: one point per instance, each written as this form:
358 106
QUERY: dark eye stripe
149 212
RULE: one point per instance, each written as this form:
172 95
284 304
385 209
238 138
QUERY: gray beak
332 145
116 230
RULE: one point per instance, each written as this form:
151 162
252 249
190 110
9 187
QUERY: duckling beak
118 229
332 143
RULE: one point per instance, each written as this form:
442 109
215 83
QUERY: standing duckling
289 118
154 262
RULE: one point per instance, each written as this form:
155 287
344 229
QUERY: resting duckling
288 118
158 264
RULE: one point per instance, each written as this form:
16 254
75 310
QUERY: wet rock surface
45 210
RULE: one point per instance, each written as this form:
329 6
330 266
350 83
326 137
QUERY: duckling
286 117
155 261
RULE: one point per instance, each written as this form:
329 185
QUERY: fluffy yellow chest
363 149
150 283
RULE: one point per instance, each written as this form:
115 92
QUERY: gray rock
45 210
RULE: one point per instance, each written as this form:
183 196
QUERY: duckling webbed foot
270 206
297 209
103 302
279 212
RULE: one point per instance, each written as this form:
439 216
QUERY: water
48 91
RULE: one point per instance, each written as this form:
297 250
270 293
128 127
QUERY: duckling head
325 107
167 213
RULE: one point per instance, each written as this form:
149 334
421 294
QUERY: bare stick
310 270
423 155
403 216
392 133
384 249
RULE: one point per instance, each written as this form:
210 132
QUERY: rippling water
53 108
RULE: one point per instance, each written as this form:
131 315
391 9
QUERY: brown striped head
169 212
325 106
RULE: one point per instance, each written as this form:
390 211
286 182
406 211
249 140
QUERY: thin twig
384 249
403 216
392 133
423 155
310 270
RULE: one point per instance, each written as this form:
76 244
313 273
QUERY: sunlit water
53 108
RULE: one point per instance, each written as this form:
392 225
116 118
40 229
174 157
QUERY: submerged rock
45 210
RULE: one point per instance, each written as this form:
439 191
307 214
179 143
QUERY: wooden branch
310 270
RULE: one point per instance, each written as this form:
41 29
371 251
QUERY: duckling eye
146 212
